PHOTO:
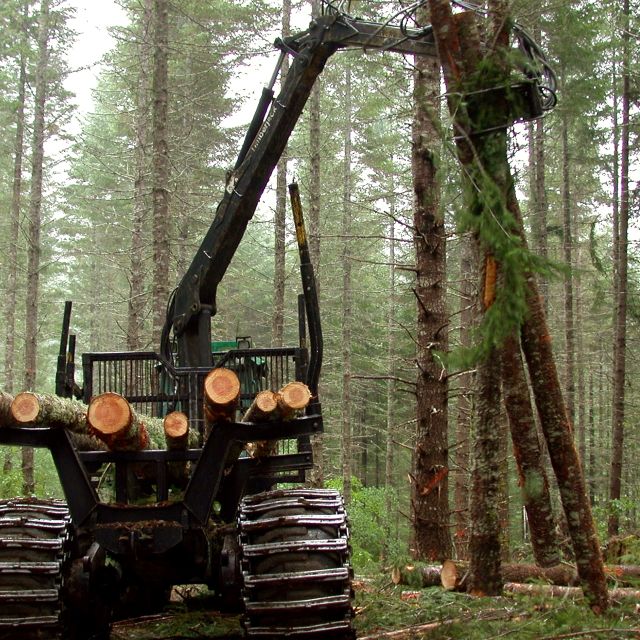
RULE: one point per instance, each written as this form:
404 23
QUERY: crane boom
194 300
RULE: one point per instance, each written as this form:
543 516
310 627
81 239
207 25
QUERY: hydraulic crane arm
194 300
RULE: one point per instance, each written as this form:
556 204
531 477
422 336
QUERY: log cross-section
221 394
111 419
293 398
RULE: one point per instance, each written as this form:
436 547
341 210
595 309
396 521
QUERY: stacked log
290 401
221 397
111 419
293 398
38 409
5 409
263 407
35 409
176 431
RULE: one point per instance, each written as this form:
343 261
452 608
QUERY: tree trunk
14 233
391 383
277 327
468 297
16 206
347 445
484 540
567 247
620 326
136 303
161 222
33 239
534 484
429 495
316 474
536 343
558 434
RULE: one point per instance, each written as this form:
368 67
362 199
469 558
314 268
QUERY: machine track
33 551
295 565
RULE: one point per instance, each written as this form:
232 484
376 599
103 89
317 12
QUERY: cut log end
109 413
450 577
266 401
25 407
176 425
222 386
294 396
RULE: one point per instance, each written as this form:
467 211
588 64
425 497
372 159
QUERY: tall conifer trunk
347 312
161 222
468 297
430 493
33 238
458 63
277 325
136 303
567 246
620 326
316 475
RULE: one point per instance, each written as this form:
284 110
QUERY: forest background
79 222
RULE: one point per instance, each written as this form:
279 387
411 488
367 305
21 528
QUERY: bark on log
221 396
454 574
112 420
6 419
293 398
263 407
554 591
534 484
41 409
419 576
458 66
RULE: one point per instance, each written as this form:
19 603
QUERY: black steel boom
194 302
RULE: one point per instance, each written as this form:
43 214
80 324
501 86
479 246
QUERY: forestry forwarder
280 555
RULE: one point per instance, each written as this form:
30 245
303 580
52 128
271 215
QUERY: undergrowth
383 607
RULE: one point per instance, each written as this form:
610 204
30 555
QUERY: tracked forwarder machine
280 555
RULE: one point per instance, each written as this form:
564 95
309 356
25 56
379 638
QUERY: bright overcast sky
91 22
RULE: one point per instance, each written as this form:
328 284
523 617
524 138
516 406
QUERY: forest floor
388 612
